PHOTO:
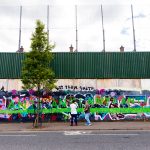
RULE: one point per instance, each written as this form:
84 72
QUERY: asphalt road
76 140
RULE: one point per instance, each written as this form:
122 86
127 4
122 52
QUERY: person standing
87 114
73 107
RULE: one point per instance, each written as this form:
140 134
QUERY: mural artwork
54 106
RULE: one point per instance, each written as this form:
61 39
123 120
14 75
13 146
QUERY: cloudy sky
117 24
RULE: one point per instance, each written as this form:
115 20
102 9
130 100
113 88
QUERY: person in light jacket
73 107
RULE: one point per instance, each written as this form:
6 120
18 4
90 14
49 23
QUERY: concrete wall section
86 84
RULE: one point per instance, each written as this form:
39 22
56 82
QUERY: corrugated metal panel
10 65
85 65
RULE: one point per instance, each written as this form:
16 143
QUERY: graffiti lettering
71 87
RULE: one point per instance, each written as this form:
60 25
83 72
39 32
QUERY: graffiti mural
105 104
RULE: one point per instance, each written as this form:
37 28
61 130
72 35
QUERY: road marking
60 131
115 134
17 135
100 134
74 133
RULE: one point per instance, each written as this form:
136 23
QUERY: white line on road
17 135
74 133
60 131
100 134
115 134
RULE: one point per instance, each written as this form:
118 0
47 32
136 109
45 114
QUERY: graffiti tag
72 87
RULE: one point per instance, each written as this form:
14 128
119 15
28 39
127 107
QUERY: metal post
103 29
48 24
76 28
134 41
19 45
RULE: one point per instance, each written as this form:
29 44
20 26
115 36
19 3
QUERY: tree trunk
36 121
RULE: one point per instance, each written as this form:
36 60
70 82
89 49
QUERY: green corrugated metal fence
97 65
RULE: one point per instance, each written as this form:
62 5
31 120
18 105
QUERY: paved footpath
65 126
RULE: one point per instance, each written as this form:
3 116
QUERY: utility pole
19 44
76 18
103 29
134 41
48 24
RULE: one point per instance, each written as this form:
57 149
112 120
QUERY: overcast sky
117 24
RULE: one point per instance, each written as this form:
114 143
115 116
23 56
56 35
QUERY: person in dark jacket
87 114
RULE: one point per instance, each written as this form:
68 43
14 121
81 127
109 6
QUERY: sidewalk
61 126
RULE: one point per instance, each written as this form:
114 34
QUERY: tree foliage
36 71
